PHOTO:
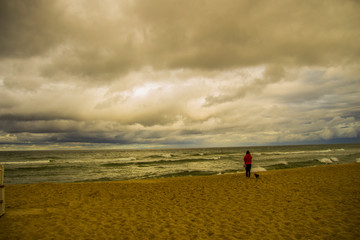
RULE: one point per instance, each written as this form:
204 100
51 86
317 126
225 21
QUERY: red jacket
247 159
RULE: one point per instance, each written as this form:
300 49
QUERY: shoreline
114 165
298 203
255 169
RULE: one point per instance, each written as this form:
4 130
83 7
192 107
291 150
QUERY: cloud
270 75
195 34
163 112
104 39
170 73
30 28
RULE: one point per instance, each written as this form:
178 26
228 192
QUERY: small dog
257 175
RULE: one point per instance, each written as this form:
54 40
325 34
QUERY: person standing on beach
247 161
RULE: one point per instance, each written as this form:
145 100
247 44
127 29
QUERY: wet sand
306 203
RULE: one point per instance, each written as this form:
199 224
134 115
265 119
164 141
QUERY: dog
257 175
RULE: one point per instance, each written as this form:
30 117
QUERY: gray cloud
30 28
271 74
189 73
165 34
241 33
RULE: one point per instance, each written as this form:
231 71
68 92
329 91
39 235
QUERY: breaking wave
113 165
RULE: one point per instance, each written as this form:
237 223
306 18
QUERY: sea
27 167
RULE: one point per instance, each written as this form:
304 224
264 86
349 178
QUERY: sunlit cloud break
159 74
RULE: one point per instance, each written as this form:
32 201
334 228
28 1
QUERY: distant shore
320 202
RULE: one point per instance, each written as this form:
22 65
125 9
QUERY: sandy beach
306 203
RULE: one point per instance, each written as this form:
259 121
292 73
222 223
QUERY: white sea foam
126 159
271 163
334 159
280 162
26 162
323 151
283 153
325 160
297 152
167 155
121 159
302 152
258 169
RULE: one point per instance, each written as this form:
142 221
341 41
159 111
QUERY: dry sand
306 203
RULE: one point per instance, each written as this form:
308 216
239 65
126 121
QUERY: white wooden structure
2 191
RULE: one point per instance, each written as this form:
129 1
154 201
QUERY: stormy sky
169 73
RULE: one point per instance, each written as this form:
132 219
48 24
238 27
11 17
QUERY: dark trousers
248 167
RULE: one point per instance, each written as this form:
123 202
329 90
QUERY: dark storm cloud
170 34
30 28
210 34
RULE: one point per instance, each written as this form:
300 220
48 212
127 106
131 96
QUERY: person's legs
248 167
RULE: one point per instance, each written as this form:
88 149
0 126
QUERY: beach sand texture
306 203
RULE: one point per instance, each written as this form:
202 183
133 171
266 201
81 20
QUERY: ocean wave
109 165
159 162
203 154
282 165
325 160
187 173
277 163
184 173
197 154
26 162
258 169
66 161
323 151
123 159
41 168
299 152
164 155
117 164
91 161
283 153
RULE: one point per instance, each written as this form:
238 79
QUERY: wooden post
2 191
